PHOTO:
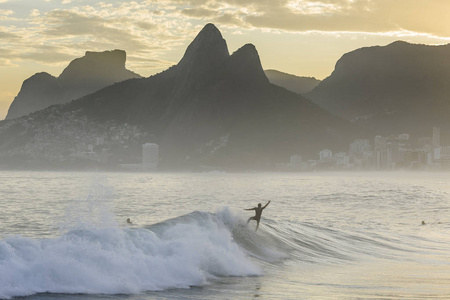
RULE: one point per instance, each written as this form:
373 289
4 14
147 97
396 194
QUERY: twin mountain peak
207 54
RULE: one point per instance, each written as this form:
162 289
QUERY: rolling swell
276 241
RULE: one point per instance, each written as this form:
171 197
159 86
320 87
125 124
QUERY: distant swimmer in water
129 221
258 211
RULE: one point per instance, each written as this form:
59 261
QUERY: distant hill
212 109
398 88
82 76
296 84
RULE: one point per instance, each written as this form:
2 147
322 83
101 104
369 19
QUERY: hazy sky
295 36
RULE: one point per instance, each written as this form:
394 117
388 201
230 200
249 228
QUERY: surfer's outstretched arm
266 204
249 208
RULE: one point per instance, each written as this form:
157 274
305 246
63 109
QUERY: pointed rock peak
248 51
209 35
245 64
210 28
208 47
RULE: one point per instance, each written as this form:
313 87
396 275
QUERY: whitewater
64 235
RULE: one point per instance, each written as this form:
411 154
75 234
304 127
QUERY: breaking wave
190 250
187 251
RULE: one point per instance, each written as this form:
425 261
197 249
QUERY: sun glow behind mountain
305 38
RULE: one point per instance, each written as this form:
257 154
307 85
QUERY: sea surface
64 236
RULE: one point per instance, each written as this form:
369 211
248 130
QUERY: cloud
198 12
147 25
77 26
425 16
138 64
48 54
422 16
231 19
5 35
5 15
6 63
59 35
39 53
34 13
312 7
6 12
159 30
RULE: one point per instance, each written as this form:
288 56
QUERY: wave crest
178 253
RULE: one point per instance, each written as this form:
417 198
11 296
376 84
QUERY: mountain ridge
226 116
390 89
84 75
294 83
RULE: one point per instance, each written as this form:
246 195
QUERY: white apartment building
325 155
150 156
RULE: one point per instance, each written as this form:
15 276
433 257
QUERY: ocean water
64 235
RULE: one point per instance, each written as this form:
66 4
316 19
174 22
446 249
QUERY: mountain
212 108
296 84
82 76
398 88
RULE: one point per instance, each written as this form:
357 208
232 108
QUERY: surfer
129 221
258 211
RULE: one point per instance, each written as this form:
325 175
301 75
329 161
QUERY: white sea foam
181 253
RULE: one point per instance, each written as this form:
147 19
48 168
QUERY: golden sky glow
295 36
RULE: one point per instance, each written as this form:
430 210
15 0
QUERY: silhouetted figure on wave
258 212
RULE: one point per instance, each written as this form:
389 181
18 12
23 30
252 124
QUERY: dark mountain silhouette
296 84
82 76
393 89
212 108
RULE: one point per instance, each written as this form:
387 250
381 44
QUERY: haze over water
324 236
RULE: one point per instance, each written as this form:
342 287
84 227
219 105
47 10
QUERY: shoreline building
360 153
436 150
436 137
325 155
150 156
